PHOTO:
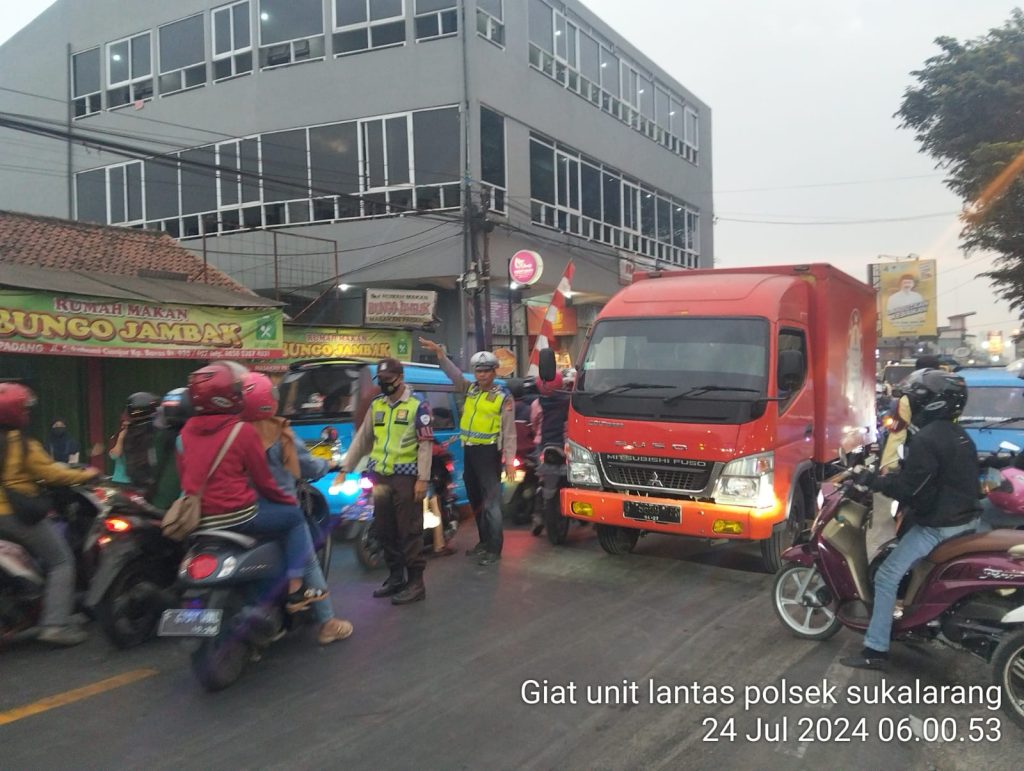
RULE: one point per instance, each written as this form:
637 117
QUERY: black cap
389 367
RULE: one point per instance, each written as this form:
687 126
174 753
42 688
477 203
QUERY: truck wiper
995 423
625 387
697 391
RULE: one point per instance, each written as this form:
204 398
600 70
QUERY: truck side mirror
546 367
791 370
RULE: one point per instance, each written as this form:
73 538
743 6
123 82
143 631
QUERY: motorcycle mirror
1009 446
546 366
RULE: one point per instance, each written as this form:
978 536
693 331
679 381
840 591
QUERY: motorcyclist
138 446
900 425
289 461
229 498
174 410
22 462
938 484
550 412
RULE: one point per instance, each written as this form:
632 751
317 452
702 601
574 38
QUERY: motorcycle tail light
450 466
117 525
201 566
517 463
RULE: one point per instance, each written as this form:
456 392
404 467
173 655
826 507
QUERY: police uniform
398 435
488 433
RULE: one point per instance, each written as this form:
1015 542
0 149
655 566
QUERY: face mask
58 430
389 388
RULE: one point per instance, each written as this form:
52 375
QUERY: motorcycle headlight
582 466
748 481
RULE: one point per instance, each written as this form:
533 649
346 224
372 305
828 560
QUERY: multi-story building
300 145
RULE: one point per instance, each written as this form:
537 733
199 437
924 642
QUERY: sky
802 94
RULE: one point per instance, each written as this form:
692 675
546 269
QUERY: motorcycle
520 505
967 594
553 473
234 595
369 550
135 579
22 579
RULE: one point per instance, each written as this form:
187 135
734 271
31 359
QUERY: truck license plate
652 512
186 622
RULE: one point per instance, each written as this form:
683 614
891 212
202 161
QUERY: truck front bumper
696 518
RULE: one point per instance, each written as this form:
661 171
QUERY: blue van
995 408
323 399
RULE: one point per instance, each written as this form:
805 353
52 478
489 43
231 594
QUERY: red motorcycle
968 593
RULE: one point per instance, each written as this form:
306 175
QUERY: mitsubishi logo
653 480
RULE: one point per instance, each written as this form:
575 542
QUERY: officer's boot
394 584
414 591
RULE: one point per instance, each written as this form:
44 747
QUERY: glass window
91 196
490 20
360 25
396 134
610 72
664 220
647 208
542 172
182 54
645 96
493 7
284 20
590 187
441 409
791 340
612 187
85 82
129 70
198 181
232 40
436 153
436 18
334 158
542 25
285 175
590 58
249 153
162 188
492 147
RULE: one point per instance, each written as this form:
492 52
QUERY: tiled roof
49 242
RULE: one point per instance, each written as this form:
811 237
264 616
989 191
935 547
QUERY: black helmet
141 407
934 394
174 409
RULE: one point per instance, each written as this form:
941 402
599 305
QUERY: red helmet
216 389
15 402
548 387
260 396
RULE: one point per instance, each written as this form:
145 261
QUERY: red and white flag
546 336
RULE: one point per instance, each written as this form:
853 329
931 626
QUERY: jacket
287 456
507 430
236 481
363 442
939 477
21 476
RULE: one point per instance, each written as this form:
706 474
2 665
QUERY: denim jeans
44 542
917 543
287 521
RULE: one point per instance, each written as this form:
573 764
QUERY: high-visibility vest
481 416
395 440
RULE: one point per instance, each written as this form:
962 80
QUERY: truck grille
648 473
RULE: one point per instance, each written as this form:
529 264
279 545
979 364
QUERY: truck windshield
675 368
320 391
991 404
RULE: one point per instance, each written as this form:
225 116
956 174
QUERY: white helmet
483 360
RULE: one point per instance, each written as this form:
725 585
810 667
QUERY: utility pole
486 226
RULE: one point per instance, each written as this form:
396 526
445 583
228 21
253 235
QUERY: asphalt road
440 684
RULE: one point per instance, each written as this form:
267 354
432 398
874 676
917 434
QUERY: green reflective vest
395 438
481 416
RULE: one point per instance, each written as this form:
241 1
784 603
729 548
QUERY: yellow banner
302 343
906 298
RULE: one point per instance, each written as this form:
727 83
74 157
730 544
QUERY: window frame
368 25
235 55
452 10
133 81
87 98
493 28
265 50
181 71
125 193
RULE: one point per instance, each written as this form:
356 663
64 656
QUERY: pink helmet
1010 500
260 395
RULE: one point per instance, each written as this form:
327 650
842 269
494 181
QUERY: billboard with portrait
906 298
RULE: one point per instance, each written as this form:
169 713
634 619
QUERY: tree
967 110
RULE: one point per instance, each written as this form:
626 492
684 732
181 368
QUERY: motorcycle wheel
520 506
369 551
556 526
798 596
219 661
617 540
1008 674
129 612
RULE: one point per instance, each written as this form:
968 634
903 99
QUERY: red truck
709 403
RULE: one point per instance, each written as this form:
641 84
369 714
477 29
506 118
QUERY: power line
874 221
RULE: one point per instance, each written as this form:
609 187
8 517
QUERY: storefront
301 343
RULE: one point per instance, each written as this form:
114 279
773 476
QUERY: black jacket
939 477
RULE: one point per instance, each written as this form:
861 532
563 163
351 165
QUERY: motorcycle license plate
187 622
652 512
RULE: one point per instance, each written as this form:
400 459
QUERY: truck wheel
617 540
784 535
1008 674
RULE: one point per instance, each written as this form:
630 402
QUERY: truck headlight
748 481
582 466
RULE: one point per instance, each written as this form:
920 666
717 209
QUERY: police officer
398 435
488 432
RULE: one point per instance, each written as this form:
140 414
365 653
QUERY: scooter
369 550
135 580
967 594
234 600
519 506
552 472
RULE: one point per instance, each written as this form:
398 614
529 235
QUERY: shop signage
302 343
62 325
525 267
399 307
563 325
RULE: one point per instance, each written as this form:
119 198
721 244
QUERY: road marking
70 697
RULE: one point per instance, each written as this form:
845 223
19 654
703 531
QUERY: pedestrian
488 433
397 433
60 445
938 482
23 515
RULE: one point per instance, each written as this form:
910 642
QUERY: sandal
304 597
